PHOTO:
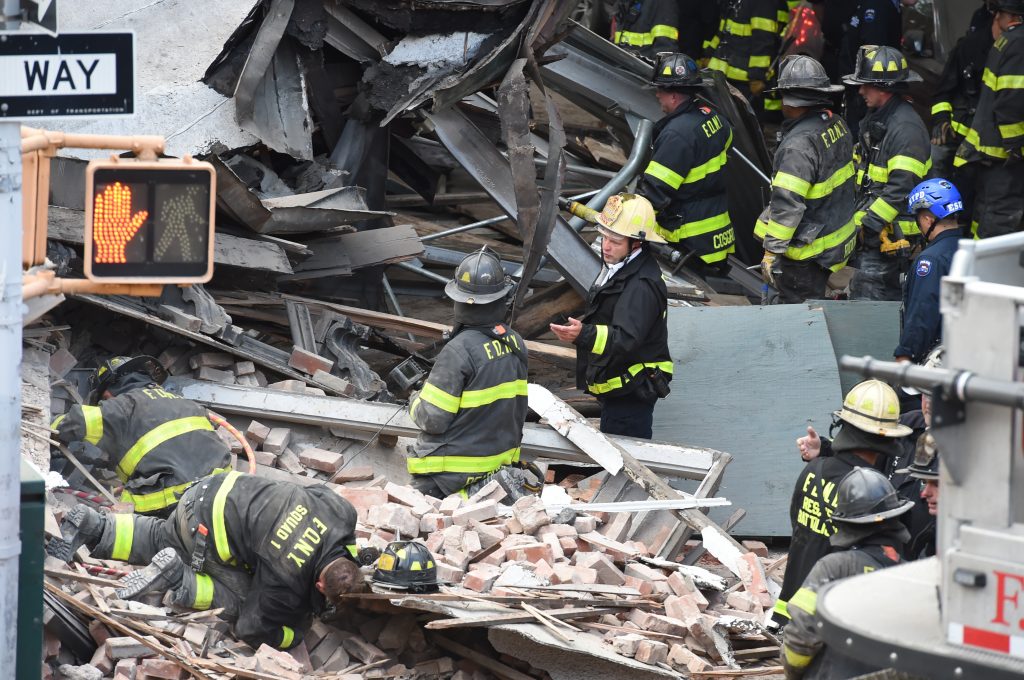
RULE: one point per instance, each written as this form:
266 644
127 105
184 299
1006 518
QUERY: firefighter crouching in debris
807 227
892 155
269 552
869 434
472 407
158 442
647 27
869 536
685 179
621 341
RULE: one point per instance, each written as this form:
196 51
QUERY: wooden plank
360 249
549 305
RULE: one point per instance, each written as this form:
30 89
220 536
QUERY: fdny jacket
749 38
997 129
472 408
625 331
921 322
802 654
647 26
685 180
956 97
158 442
284 535
892 156
810 213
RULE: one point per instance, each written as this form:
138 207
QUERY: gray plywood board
749 380
861 328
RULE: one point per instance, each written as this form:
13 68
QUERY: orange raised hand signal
113 224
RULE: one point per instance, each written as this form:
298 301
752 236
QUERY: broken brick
257 432
531 513
651 651
277 440
479 511
318 459
607 572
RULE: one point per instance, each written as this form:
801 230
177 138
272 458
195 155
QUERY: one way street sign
75 74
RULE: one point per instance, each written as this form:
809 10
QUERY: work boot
516 481
163 572
81 526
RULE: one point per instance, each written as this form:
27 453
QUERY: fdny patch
705 110
680 70
869 15
924 268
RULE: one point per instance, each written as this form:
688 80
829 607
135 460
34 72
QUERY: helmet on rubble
628 215
1011 6
937 195
865 496
479 279
112 370
873 407
803 82
881 66
406 565
676 71
926 459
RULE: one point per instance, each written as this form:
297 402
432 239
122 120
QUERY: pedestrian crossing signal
149 221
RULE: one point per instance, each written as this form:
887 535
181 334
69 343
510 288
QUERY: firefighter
807 227
924 469
749 41
892 156
621 341
157 442
994 142
935 203
869 536
870 433
269 552
647 27
685 179
698 21
956 96
472 407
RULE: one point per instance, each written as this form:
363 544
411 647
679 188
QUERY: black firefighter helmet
676 71
865 496
479 279
406 565
115 368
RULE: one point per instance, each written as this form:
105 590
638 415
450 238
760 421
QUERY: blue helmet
938 195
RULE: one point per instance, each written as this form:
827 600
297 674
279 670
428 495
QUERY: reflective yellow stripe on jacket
974 140
643 39
697 228
93 417
429 465
600 338
805 189
805 599
124 535
220 535
695 174
158 500
155 437
1002 82
204 592
472 398
823 243
617 382
287 637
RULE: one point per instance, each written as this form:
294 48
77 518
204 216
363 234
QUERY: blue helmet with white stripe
937 195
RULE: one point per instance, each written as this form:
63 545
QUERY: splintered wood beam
484 621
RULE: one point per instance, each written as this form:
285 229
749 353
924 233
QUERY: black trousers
999 203
799 280
628 416
877 277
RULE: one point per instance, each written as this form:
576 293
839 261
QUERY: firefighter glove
942 133
767 267
756 87
891 245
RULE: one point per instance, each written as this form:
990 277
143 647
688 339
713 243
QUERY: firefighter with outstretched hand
807 228
685 179
647 27
472 407
621 341
994 145
158 443
869 535
271 553
869 434
892 155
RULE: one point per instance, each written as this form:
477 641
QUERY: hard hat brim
917 473
876 517
704 82
852 79
452 290
867 425
648 236
829 89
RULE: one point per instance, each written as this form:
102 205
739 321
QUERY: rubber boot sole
76 532
163 572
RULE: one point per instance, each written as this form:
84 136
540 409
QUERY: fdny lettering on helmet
924 268
498 348
817 505
724 240
288 525
712 126
834 133
157 393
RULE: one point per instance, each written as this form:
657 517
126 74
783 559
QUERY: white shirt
609 270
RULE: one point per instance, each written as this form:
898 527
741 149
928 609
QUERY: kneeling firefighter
472 407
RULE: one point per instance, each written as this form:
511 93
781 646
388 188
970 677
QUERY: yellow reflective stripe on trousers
773 229
287 637
1002 82
220 536
601 339
429 465
780 608
643 39
204 592
158 500
505 390
772 103
157 436
805 599
736 28
439 398
665 174
717 64
93 417
616 382
124 534
760 62
822 243
695 228
1013 130
940 107
763 24
883 210
796 660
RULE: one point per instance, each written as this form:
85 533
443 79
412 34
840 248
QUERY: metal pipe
10 384
389 292
423 272
742 157
489 221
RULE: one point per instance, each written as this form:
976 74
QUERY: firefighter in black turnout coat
621 341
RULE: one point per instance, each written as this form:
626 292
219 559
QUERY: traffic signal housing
149 221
